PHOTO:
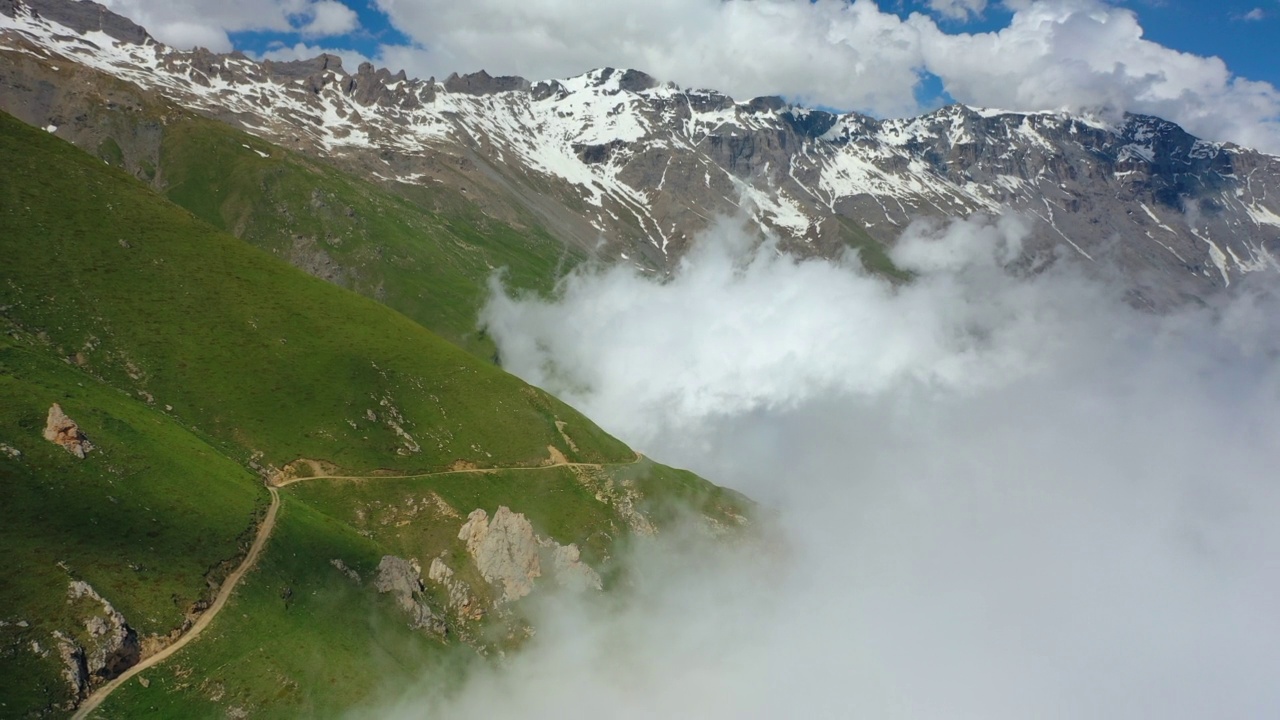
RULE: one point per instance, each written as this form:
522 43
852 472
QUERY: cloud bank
998 495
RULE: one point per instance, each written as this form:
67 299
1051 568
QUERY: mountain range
624 167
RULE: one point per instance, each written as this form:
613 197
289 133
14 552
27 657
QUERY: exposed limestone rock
62 430
11 451
112 645
622 495
569 570
504 549
402 578
509 554
345 570
461 601
74 668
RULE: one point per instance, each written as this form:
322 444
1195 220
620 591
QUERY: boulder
62 430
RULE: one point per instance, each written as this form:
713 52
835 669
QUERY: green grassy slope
429 257
333 644
188 355
148 518
425 251
242 346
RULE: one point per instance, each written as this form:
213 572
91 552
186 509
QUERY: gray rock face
509 555
461 601
569 570
403 579
504 549
84 16
75 669
111 646
482 83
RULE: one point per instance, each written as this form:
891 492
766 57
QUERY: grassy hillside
247 349
188 357
148 518
429 258
424 251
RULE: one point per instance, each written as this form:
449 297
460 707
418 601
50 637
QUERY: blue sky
375 31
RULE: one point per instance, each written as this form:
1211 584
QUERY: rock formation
504 549
107 648
461 601
402 578
510 555
569 570
62 430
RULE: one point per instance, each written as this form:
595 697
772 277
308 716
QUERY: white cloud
302 51
327 18
958 9
206 23
1080 55
1254 14
998 496
828 51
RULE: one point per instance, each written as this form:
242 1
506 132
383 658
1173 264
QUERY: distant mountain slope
193 360
614 154
427 252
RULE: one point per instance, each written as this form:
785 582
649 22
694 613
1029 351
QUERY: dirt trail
92 702
557 460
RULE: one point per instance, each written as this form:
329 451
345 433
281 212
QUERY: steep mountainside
425 251
154 370
644 165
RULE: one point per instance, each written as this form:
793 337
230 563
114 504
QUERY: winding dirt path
92 702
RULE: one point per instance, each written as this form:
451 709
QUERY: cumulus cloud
206 23
958 9
1075 55
327 18
1078 55
998 495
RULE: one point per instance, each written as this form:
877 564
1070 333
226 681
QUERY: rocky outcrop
509 555
504 549
82 17
569 571
110 646
403 579
461 601
482 83
62 430
342 567
74 668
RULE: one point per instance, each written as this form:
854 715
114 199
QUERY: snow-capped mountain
630 167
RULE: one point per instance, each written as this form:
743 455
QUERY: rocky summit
632 169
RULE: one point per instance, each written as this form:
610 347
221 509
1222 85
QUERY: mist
996 491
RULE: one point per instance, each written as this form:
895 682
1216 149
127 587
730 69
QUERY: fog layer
998 494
